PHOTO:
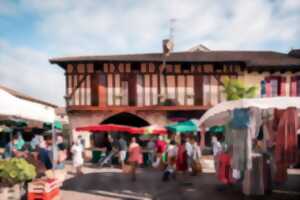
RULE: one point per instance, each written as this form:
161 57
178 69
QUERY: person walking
135 157
151 151
122 151
181 161
189 153
171 160
196 165
217 149
77 151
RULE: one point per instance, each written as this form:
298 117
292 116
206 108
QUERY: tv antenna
172 29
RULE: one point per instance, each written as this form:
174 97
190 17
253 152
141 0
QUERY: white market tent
217 114
16 107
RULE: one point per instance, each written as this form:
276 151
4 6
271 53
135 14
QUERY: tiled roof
250 58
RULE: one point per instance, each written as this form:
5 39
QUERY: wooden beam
77 86
136 108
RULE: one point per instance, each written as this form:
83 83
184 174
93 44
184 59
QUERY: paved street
109 184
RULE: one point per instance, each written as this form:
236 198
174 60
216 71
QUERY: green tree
235 89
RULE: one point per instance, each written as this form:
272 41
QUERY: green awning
5 129
183 127
217 129
57 124
14 122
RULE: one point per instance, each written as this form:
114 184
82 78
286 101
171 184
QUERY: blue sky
32 31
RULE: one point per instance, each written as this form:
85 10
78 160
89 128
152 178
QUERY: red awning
109 128
151 130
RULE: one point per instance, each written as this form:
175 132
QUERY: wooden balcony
135 108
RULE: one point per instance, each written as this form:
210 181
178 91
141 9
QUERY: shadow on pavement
117 185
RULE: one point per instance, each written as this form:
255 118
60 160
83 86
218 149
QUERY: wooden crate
53 195
43 185
11 193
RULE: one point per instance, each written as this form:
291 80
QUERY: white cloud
28 71
99 27
139 26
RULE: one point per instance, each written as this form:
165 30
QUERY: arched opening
127 119
124 118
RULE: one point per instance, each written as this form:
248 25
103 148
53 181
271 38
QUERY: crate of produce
53 195
43 185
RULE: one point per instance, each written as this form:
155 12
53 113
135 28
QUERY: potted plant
13 174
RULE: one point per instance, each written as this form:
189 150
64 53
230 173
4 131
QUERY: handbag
197 167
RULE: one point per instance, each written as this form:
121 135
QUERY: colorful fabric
253 183
242 149
255 121
240 118
286 143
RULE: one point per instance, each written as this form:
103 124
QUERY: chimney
167 47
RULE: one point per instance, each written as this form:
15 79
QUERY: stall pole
202 143
54 149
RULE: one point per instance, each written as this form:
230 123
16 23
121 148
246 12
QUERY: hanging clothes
240 119
253 183
277 116
286 143
241 149
255 121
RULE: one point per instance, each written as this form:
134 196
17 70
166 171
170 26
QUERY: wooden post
202 142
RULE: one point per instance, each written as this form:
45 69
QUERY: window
298 87
275 86
295 86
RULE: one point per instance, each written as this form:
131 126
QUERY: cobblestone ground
111 184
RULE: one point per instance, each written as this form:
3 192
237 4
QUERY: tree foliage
235 89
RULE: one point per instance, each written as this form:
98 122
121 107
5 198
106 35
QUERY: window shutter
293 86
282 86
268 87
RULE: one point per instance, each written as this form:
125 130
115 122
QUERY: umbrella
19 123
183 127
5 129
109 128
219 113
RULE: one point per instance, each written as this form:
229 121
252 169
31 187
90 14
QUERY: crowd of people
38 151
175 154
172 155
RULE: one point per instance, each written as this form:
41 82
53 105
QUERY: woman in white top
77 151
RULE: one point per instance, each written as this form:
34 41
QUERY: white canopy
219 112
13 106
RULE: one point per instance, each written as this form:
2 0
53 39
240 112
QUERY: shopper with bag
196 156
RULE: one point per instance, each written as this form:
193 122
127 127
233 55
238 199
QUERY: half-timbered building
152 88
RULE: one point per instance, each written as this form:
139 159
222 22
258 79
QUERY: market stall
16 114
143 133
260 140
